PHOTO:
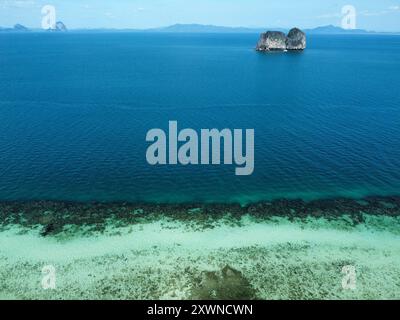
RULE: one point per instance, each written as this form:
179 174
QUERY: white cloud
365 13
329 16
17 3
109 15
138 10
390 9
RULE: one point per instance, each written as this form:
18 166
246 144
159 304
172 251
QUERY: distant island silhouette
60 26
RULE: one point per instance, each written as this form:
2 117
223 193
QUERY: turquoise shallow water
75 109
167 259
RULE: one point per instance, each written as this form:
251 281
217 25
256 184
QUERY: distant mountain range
336 30
199 28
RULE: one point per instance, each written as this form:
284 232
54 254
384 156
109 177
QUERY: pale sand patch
166 260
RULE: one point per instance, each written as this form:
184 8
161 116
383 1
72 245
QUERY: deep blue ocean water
75 109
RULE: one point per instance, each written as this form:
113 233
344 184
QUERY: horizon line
201 25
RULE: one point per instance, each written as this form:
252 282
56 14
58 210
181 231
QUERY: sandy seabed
249 258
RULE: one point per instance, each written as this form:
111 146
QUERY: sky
376 15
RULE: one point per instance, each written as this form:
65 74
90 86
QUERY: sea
83 215
75 109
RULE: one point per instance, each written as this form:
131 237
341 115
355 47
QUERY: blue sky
378 15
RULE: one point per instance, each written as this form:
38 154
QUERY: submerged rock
296 40
47 230
95 216
276 40
226 284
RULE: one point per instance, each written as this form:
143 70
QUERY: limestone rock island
276 40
